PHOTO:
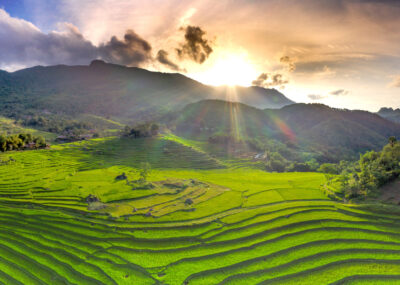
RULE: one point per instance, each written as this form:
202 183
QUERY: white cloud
316 97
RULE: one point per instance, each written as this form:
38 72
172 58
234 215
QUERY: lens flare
284 128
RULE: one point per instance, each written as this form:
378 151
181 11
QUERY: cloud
395 82
339 92
268 80
316 97
26 45
132 50
290 64
196 47
162 57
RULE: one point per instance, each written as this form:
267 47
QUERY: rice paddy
197 220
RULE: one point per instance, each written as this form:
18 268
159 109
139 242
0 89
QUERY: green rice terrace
78 213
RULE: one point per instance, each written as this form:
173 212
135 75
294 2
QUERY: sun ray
229 69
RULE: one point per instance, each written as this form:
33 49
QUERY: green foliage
375 169
329 168
276 162
21 141
311 165
145 171
57 124
392 141
141 130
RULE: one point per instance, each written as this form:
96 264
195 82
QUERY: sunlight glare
231 70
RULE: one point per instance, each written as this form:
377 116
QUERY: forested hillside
333 134
109 90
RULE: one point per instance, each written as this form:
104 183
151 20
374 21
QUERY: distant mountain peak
390 114
97 62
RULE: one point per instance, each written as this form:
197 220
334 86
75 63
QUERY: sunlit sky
343 53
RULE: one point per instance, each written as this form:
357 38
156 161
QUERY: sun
231 69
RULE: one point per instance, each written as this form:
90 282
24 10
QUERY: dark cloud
339 92
26 45
268 80
162 57
196 47
132 50
316 96
260 80
287 60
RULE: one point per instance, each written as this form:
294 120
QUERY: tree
141 130
392 141
298 167
18 141
145 170
40 141
154 129
375 170
313 164
3 143
328 168
276 162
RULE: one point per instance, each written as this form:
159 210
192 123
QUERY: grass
243 225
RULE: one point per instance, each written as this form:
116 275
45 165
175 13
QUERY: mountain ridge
129 93
335 133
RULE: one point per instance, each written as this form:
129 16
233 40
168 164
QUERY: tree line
21 141
365 177
141 130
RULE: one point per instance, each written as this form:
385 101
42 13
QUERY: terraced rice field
244 226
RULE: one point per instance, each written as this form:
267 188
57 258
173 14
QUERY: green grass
245 226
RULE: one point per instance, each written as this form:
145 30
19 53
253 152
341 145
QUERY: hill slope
213 116
334 132
337 131
112 90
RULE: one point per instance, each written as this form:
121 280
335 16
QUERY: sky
343 53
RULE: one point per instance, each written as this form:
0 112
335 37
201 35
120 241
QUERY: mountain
334 133
126 93
337 131
390 114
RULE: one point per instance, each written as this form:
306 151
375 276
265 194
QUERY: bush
21 141
329 168
298 167
276 162
141 130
